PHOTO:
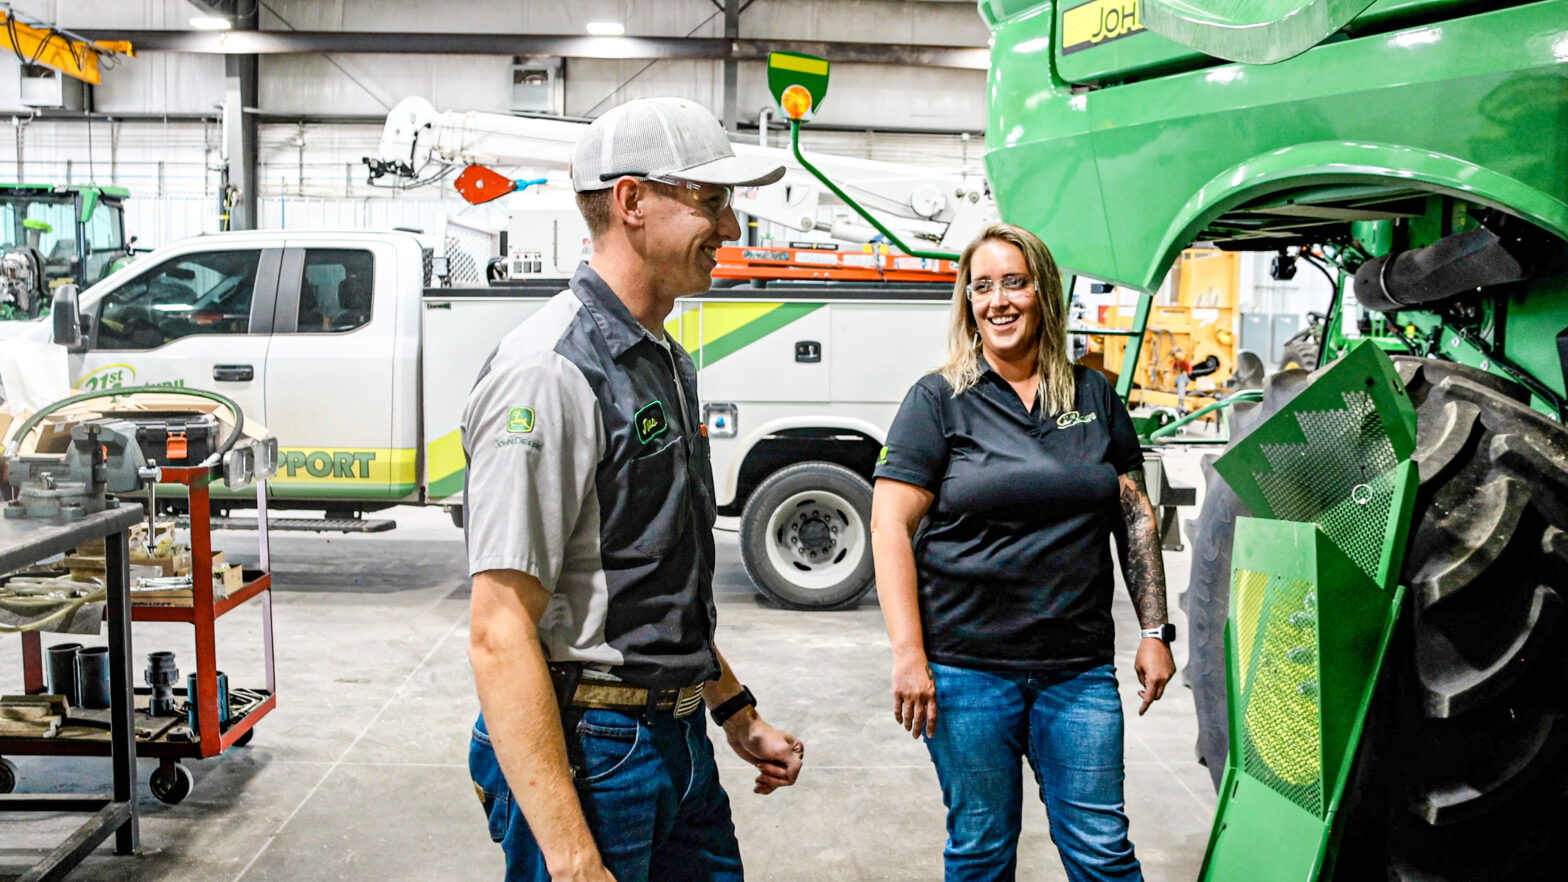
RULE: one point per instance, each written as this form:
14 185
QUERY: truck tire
805 536
1462 772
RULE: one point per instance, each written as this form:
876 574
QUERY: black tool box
175 438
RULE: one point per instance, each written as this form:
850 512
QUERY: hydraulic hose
32 422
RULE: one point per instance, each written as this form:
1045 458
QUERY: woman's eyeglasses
1013 286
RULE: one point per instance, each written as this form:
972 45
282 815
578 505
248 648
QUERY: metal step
302 525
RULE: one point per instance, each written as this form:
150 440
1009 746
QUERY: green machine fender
1314 602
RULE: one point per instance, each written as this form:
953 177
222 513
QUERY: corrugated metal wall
311 175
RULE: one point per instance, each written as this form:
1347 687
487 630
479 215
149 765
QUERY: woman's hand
914 694
1155 667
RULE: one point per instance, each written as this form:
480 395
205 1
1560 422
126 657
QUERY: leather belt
619 696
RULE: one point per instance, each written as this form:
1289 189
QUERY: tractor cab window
46 225
105 241
206 293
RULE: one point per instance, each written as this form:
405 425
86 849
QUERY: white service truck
338 344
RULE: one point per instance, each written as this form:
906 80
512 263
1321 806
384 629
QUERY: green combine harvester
1380 564
52 235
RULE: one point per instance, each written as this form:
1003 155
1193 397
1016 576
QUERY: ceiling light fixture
210 23
606 28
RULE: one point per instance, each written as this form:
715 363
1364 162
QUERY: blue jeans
1069 726
651 795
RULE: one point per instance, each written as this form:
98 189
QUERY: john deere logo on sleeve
650 421
882 457
1073 418
520 420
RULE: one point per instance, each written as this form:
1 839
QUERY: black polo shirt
1014 562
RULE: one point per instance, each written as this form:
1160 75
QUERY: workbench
27 541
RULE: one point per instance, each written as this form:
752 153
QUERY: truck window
335 291
207 293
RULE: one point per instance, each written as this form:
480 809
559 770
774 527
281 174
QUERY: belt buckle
687 700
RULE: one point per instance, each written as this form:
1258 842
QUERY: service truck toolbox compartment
175 439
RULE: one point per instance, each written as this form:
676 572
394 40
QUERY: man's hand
582 868
776 753
1155 667
592 870
914 695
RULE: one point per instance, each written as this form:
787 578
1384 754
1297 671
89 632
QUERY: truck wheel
1461 774
805 536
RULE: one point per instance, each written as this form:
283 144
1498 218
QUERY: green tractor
1418 151
52 235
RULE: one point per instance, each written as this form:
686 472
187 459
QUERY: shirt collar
615 321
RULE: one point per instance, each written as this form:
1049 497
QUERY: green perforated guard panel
1277 667
1331 457
1314 599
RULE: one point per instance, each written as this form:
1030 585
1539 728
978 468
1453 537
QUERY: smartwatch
1165 632
738 701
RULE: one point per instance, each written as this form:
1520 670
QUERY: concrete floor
361 772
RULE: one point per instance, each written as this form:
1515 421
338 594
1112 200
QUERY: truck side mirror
68 320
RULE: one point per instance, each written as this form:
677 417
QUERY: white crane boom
419 143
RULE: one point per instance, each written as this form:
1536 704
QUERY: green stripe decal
448 485
752 331
318 490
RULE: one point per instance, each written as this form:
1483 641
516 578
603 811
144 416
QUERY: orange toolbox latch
175 447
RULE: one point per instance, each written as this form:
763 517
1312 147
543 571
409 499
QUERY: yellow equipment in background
43 44
1196 317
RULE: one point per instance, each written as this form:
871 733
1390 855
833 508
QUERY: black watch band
733 706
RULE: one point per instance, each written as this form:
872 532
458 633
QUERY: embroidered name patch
650 421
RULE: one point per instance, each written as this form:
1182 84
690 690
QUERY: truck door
198 320
330 375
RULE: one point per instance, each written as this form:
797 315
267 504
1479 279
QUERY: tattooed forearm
1139 546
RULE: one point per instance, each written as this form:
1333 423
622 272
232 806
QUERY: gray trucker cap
663 137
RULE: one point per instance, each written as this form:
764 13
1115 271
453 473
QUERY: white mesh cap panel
657 137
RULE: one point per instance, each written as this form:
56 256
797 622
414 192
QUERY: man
589 507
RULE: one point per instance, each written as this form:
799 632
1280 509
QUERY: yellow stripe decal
782 61
445 463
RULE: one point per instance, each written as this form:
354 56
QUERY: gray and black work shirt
587 472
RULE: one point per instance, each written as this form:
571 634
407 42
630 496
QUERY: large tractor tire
1300 351
1462 772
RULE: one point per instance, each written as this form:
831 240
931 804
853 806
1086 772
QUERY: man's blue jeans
651 795
1069 726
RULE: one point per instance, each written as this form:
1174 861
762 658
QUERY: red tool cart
161 736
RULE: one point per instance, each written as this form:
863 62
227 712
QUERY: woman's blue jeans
1069 726
651 795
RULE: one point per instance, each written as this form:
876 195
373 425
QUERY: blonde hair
962 367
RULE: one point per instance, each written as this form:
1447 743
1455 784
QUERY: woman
1021 465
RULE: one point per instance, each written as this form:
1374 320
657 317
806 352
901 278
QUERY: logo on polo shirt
1073 418
882 457
650 421
520 420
